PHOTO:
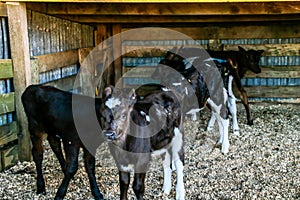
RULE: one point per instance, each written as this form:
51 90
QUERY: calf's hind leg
37 154
55 145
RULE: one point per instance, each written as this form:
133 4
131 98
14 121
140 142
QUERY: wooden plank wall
280 76
54 50
54 43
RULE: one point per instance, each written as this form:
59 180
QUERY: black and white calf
208 88
140 129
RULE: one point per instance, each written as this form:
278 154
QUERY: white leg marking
193 113
225 143
211 122
215 108
180 191
223 123
176 147
232 107
223 129
167 174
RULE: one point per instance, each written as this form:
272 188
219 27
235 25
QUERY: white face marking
112 102
128 168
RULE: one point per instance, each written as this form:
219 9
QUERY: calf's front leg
37 154
139 185
124 179
72 151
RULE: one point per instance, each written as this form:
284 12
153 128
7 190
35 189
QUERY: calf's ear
260 52
241 49
107 92
132 99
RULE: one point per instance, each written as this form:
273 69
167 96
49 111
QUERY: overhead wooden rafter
143 1
169 12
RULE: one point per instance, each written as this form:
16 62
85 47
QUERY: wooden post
117 48
102 43
18 33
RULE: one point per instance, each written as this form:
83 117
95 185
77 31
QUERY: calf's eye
123 117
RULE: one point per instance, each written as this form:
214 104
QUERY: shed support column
117 48
104 32
18 33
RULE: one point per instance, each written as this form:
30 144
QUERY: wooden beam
267 72
270 49
178 19
18 32
57 60
159 51
273 91
143 1
169 9
276 72
227 31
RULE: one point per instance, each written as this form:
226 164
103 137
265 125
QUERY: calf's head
251 59
116 110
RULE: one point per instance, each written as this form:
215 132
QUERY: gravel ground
263 163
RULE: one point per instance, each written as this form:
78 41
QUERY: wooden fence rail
8 132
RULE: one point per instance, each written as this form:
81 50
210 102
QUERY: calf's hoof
209 128
99 197
225 148
250 122
180 193
41 190
236 132
58 198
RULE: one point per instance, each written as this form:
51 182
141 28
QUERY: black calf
49 110
242 61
